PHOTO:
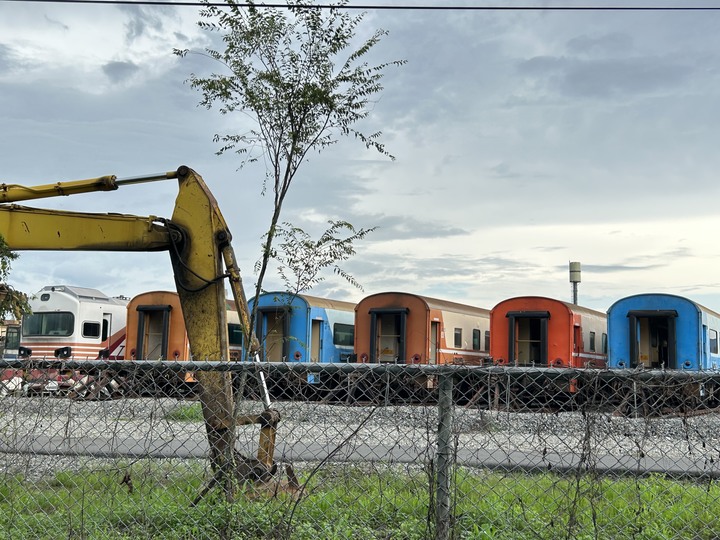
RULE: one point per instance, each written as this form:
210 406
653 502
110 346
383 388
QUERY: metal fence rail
107 449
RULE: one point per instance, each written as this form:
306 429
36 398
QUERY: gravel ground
64 422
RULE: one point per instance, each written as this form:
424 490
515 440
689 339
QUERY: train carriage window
487 340
604 343
56 323
476 339
343 334
458 338
713 341
12 338
235 335
91 330
592 341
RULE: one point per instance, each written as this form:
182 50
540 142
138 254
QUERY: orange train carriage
156 331
543 332
404 328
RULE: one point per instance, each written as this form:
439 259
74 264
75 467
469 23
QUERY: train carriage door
315 340
434 339
273 333
528 337
105 336
653 339
388 328
153 332
11 345
578 347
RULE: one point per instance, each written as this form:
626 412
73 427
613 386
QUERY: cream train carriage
74 322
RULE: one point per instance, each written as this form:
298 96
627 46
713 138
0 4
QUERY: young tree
299 74
296 72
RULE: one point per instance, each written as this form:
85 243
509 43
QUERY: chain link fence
119 450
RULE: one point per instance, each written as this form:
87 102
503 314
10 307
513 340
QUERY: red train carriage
409 328
543 332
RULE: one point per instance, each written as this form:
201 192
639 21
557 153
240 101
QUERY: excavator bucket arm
198 241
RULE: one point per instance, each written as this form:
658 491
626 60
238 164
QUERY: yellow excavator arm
198 241
39 229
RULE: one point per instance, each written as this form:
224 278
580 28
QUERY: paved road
488 458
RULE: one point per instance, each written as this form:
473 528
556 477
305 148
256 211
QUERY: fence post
444 458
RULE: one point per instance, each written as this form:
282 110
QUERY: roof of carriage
431 303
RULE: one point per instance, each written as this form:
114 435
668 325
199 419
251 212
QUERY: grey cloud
602 79
141 19
338 198
9 58
651 260
605 78
503 170
387 227
180 37
406 227
641 263
614 43
448 276
614 268
120 71
6 57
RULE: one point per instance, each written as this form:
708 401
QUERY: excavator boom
27 228
198 241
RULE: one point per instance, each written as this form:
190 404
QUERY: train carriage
156 331
662 331
304 328
404 328
68 322
544 332
410 329
77 322
156 328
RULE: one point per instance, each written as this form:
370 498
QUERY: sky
523 140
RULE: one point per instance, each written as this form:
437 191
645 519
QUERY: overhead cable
374 7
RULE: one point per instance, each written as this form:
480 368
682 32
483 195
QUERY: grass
352 502
191 412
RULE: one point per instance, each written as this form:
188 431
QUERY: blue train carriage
304 328
662 331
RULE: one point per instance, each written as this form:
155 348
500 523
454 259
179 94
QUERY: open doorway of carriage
528 345
388 327
653 339
388 345
154 343
528 338
273 332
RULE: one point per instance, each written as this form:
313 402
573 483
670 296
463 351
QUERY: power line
369 7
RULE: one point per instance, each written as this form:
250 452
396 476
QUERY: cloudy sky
524 139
